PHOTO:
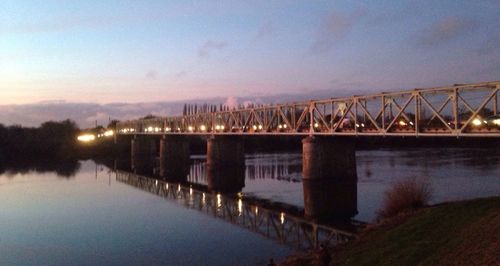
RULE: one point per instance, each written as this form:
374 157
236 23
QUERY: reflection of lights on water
203 200
256 210
166 186
282 218
240 207
179 188
219 201
190 191
156 183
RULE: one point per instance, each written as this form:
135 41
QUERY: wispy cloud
445 30
151 74
265 30
209 47
335 27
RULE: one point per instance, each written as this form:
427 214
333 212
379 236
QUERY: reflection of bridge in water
282 223
270 166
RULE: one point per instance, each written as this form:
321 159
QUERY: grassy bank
457 233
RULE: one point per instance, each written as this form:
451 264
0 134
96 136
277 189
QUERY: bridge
454 111
328 155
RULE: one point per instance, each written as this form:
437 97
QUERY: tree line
52 140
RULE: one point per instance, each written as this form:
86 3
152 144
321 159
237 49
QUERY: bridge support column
174 158
225 164
143 153
330 179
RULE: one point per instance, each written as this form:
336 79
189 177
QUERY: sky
76 54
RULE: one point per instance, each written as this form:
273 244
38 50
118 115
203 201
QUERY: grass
458 233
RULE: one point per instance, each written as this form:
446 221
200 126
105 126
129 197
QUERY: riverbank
457 233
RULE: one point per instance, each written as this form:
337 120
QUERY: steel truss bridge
277 225
468 110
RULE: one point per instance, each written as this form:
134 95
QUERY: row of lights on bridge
257 127
202 128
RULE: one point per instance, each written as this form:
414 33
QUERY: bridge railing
460 110
280 226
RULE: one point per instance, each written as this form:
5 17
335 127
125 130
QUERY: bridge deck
469 110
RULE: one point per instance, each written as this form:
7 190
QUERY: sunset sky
104 52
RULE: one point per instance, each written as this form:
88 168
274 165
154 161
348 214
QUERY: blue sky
143 51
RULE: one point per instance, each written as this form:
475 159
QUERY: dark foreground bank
457 233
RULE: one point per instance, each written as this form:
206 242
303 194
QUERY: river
93 215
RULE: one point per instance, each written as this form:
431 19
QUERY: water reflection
281 222
282 167
62 168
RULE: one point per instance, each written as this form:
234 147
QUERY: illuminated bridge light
190 129
86 138
280 126
476 122
254 127
316 125
150 129
109 133
402 123
203 128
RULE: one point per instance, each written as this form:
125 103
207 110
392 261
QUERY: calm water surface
93 218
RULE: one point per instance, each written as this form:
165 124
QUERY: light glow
86 138
476 122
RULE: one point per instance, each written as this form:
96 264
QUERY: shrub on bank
409 194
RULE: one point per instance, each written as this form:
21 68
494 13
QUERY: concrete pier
174 158
143 153
330 178
225 164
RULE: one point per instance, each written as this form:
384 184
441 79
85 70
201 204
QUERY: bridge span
453 111
328 154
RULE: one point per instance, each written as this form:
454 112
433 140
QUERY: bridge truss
280 226
469 110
